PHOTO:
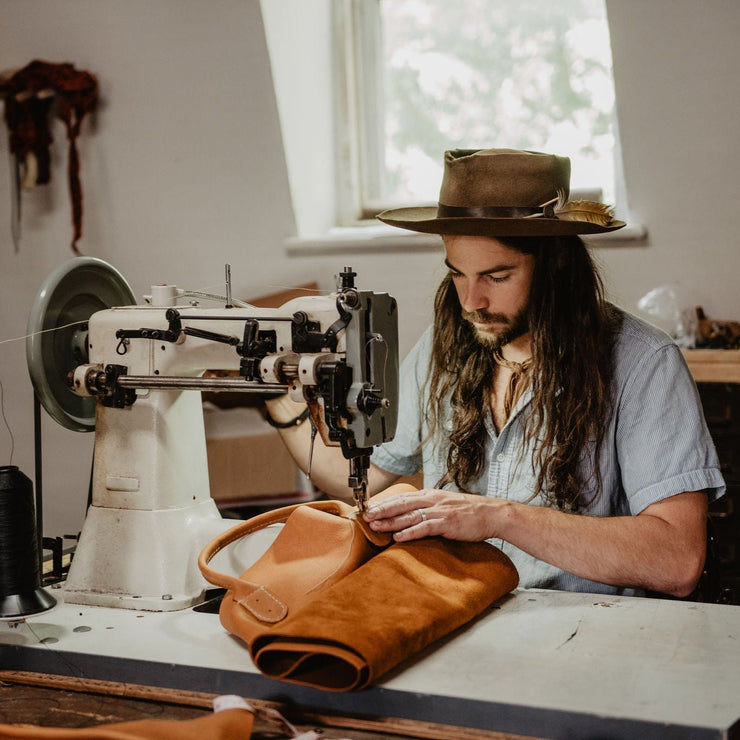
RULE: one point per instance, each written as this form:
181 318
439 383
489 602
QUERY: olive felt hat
505 192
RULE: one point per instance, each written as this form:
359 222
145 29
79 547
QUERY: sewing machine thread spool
21 594
164 295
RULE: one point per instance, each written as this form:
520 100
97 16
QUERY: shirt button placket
499 473
498 481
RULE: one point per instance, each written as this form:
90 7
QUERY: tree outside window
436 75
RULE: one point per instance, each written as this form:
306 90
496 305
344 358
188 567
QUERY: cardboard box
247 459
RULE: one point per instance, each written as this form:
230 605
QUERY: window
418 77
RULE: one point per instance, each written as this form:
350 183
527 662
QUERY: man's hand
431 512
660 549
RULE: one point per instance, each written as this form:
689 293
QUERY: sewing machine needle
361 497
227 270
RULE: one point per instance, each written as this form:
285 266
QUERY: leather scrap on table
232 719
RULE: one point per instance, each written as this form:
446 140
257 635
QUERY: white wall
675 67
184 169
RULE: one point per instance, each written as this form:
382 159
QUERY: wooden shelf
714 365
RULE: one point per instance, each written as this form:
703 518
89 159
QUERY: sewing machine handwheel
57 333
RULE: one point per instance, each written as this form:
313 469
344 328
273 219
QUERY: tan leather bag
333 605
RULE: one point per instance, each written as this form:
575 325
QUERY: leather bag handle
277 516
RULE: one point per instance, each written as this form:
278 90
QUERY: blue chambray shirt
655 446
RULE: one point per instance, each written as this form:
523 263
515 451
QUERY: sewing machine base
150 556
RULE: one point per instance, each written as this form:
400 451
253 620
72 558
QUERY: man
546 420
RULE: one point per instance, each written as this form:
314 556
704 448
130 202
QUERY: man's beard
514 327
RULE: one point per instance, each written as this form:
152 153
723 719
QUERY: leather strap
277 516
254 596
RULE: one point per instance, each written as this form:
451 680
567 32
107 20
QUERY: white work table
543 663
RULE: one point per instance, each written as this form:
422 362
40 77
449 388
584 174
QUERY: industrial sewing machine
151 510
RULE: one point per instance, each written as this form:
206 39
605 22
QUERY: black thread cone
21 594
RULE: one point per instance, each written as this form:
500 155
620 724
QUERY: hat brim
424 219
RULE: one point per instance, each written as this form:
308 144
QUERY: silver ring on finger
422 514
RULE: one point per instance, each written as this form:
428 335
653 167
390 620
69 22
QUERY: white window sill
364 237
632 235
372 236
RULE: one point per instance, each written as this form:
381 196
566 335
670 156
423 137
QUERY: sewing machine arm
337 353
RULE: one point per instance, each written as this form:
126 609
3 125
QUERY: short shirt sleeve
662 441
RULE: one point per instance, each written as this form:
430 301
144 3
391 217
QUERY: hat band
444 211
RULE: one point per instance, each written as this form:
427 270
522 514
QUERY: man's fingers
393 507
391 523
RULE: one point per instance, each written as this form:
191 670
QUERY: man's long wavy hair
572 329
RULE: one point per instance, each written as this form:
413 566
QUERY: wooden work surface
538 663
714 365
54 701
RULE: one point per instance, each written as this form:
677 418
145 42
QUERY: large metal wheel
57 333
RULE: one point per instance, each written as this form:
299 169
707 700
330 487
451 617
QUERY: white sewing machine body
151 510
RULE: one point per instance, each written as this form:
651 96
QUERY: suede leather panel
389 609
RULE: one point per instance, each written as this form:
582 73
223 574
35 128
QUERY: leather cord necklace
517 382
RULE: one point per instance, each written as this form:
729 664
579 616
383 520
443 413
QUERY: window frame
357 41
357 45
